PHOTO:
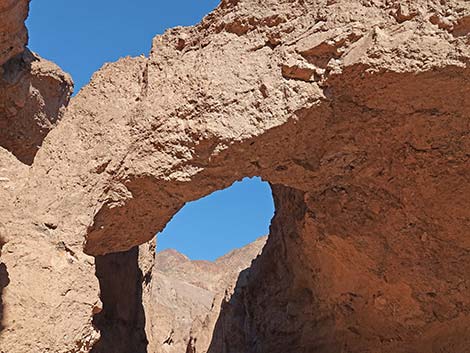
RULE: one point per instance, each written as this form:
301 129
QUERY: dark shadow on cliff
235 330
122 320
273 309
4 281
230 331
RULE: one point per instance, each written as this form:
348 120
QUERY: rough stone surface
13 33
33 95
357 113
33 91
185 297
316 288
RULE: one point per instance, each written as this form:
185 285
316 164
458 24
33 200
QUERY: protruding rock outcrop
355 111
33 91
33 95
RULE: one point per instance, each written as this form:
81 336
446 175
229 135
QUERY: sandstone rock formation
357 113
186 295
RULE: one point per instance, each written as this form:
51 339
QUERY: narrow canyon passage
121 320
199 257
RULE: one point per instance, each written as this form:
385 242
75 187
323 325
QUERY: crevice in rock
122 319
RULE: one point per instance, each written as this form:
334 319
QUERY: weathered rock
369 158
33 91
184 297
33 95
13 33
319 288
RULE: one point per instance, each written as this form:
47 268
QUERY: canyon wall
185 295
355 111
339 292
33 95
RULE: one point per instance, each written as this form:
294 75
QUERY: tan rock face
13 33
355 111
184 297
316 288
33 96
33 91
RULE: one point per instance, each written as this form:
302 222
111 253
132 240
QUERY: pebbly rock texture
37 286
355 111
33 95
185 297
49 292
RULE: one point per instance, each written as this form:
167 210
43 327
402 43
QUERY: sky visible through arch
80 36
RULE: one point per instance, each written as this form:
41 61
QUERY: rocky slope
187 296
355 111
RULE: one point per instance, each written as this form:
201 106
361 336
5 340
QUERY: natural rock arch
355 111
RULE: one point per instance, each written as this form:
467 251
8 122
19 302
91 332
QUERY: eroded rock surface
357 113
13 33
185 297
33 95
33 91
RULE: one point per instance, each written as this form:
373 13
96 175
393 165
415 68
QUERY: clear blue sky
226 219
80 36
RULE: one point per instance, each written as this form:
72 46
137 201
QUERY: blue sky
224 220
80 36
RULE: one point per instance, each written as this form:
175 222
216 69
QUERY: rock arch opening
225 220
185 295
345 269
173 304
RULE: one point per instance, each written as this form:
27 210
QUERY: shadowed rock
4 281
122 319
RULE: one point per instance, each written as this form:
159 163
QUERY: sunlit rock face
355 111
184 297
